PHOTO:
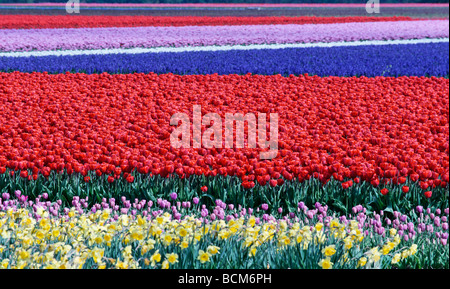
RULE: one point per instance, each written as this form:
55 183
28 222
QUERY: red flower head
428 194
130 178
375 182
384 191
110 179
345 185
24 174
87 179
273 183
405 189
204 189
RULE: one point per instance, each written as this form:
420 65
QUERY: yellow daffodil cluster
97 240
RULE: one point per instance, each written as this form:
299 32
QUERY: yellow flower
159 219
329 250
213 250
413 249
184 244
362 262
319 227
252 221
334 223
203 256
252 252
405 254
165 265
40 235
392 231
105 214
374 255
144 249
348 244
23 254
107 238
397 240
155 258
167 239
121 265
182 232
172 258
97 254
140 221
98 240
4 264
396 258
127 250
385 250
284 240
326 263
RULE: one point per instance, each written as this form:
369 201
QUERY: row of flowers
174 234
328 127
67 21
129 37
422 59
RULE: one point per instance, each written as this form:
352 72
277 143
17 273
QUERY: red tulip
273 183
130 178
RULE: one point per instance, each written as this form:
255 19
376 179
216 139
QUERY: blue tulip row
384 60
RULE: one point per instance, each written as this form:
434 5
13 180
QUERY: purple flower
265 207
112 37
195 200
419 209
173 196
437 221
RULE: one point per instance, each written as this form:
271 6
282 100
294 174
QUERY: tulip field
90 177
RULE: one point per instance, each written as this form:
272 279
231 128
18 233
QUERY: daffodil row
33 236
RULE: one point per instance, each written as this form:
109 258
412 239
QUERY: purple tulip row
431 221
126 37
